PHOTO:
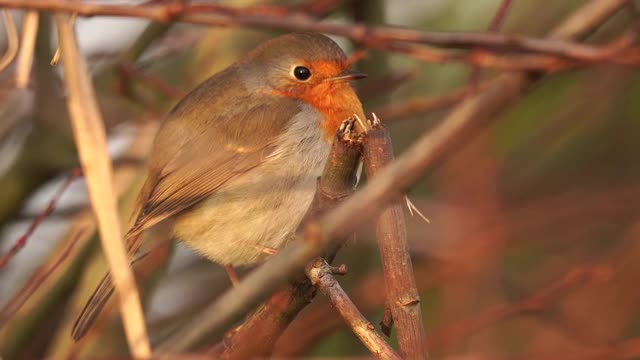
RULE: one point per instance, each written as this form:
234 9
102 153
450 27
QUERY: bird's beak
349 75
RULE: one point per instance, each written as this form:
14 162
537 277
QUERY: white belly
262 208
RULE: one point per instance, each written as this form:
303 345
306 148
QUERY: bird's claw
375 122
345 132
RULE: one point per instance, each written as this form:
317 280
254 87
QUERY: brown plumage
234 163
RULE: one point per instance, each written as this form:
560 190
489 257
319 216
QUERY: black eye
301 73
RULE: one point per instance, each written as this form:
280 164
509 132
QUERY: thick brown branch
258 334
322 277
400 284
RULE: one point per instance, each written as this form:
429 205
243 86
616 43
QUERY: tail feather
103 292
93 307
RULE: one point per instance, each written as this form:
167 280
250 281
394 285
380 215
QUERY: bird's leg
231 272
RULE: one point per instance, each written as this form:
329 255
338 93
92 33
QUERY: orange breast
336 101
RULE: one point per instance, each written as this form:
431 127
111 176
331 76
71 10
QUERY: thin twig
400 285
494 26
27 46
322 278
89 133
12 39
51 206
501 13
550 53
39 276
171 92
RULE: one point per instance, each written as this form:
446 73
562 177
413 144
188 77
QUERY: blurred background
533 242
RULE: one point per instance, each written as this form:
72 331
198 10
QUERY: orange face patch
335 100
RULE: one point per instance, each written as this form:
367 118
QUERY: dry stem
89 133
27 46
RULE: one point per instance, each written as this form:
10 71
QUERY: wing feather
206 141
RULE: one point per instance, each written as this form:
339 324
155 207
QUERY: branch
88 129
257 336
390 185
401 292
131 72
51 206
321 276
40 275
551 54
494 26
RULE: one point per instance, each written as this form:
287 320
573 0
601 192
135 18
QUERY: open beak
349 75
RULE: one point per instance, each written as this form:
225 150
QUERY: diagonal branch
33 226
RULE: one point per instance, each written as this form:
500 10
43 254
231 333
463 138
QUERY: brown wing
216 133
209 138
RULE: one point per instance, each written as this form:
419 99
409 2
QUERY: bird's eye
301 73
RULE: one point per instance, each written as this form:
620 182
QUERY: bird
234 164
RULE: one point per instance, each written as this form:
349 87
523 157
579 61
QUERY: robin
234 164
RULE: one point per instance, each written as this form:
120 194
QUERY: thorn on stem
376 122
413 208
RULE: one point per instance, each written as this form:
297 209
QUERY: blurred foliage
550 187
